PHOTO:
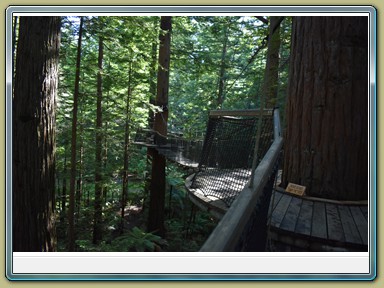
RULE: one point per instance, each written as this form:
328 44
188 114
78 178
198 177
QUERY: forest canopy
103 93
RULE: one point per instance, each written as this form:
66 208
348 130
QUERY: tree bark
327 111
272 66
72 184
157 189
220 95
124 192
152 100
33 143
64 190
97 218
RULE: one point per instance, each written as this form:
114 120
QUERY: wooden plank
351 233
364 210
238 113
275 198
290 218
304 222
319 221
280 210
361 223
335 228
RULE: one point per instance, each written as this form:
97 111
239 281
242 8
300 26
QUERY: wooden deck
206 203
301 223
308 224
304 223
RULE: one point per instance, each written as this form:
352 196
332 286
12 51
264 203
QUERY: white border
191 263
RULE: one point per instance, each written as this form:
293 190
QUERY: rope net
185 152
227 155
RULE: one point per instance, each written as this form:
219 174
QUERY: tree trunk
151 115
272 66
157 196
97 218
124 192
71 207
327 111
33 144
220 95
64 190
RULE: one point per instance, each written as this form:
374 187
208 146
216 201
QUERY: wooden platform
206 203
307 224
304 223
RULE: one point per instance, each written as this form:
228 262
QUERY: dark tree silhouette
33 144
157 188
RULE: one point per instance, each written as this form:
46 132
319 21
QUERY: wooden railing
244 226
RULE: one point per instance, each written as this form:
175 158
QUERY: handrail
232 226
240 113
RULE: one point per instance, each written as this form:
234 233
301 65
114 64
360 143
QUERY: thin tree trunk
157 197
97 218
64 190
271 74
151 115
105 151
33 145
71 208
79 181
124 192
220 95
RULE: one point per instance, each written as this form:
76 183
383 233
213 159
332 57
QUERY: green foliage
140 241
196 58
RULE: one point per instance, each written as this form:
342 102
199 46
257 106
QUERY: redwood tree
271 74
71 208
326 146
33 144
157 187
97 216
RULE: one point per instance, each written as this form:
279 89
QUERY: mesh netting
226 160
175 148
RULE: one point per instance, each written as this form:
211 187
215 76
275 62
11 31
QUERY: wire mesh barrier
244 225
254 236
175 148
228 152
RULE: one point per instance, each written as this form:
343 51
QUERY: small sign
295 189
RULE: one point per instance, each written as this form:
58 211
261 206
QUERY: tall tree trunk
64 190
33 162
124 192
97 217
157 196
105 147
71 207
272 66
79 181
327 111
220 95
152 100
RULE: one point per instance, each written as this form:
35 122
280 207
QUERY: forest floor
186 230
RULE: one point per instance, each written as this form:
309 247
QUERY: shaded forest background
108 88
